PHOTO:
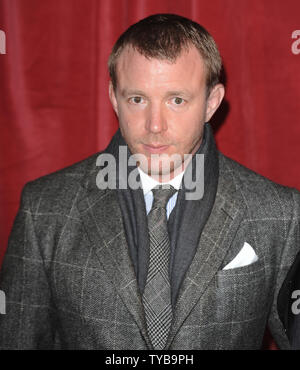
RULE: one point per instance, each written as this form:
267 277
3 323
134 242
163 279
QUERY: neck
167 176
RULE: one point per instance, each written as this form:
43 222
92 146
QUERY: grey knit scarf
186 221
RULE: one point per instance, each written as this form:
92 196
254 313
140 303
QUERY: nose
156 120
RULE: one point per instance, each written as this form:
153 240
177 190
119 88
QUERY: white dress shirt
148 183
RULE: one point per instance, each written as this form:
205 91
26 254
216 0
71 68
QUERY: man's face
162 107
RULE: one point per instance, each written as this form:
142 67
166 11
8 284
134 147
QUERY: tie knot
161 195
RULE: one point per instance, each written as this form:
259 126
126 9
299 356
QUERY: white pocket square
245 257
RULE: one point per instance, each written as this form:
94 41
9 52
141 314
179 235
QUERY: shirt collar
148 183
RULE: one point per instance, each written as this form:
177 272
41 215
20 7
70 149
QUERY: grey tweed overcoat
70 283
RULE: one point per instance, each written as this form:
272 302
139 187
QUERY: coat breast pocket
241 293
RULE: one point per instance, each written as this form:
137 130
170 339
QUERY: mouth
155 149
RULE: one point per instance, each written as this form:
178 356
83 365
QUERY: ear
214 100
112 97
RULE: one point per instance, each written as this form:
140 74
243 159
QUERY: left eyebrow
179 93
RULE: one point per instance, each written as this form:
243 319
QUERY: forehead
133 68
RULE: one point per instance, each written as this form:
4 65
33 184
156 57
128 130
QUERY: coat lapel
215 241
102 218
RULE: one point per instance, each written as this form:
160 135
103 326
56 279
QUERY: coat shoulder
57 190
259 192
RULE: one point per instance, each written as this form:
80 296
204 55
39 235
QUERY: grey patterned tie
157 292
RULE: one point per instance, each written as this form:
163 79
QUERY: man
91 266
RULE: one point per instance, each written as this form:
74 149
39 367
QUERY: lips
155 148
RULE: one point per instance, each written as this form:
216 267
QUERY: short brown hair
164 36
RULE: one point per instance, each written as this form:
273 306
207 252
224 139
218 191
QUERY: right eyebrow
125 92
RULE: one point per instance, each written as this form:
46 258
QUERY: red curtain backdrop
54 107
